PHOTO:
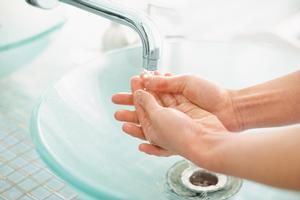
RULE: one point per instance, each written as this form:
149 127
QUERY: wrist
235 110
205 150
256 109
229 113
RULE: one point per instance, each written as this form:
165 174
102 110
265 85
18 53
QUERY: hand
177 128
177 103
199 135
202 93
131 125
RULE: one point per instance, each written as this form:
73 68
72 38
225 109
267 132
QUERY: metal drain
203 179
200 180
194 183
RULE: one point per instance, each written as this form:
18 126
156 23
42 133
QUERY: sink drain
200 180
203 179
195 183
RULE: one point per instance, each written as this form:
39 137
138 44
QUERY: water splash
148 73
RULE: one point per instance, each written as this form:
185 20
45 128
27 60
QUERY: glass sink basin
76 135
26 34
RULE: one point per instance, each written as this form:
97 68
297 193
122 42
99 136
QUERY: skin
194 118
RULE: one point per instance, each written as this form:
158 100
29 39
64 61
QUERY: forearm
271 158
273 103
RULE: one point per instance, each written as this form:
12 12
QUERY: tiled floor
22 174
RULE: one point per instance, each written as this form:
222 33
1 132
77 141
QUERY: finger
157 73
154 150
126 116
141 114
168 99
174 84
133 130
127 98
122 99
146 101
180 98
157 97
136 83
146 75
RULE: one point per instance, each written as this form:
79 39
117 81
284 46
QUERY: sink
24 36
77 137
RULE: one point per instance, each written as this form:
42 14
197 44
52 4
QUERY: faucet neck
140 23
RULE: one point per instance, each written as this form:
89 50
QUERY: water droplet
148 74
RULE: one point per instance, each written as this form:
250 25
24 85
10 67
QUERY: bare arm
273 103
271 158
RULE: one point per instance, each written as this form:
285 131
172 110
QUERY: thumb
147 101
173 84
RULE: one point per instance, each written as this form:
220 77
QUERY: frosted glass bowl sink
76 135
25 32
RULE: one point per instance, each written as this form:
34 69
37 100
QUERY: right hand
176 127
203 93
154 114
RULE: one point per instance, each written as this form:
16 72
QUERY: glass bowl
76 135
23 36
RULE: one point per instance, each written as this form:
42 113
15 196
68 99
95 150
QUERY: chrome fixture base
181 172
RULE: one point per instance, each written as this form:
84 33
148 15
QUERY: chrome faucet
106 8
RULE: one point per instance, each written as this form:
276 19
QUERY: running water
148 73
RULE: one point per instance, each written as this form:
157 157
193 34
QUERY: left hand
175 123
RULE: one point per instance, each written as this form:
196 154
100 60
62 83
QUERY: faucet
145 28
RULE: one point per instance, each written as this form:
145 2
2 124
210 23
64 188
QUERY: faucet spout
140 23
